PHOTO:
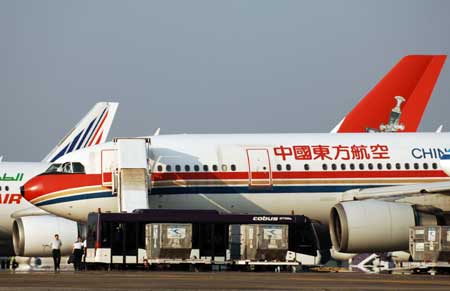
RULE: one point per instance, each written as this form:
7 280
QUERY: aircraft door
109 165
260 174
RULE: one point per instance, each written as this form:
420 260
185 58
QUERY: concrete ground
218 281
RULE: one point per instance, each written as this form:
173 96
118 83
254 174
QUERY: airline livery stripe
76 198
99 138
246 190
98 129
85 134
301 175
68 192
95 127
187 183
213 190
75 140
60 154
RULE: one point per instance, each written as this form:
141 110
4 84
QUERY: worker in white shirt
84 252
56 251
77 253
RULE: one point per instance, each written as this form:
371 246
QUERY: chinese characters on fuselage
335 152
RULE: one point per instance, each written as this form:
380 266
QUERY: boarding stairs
125 170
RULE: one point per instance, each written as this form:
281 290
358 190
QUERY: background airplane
29 221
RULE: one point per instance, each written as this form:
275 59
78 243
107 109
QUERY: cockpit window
53 168
66 168
78 168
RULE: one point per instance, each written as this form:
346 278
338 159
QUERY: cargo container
168 240
259 242
430 243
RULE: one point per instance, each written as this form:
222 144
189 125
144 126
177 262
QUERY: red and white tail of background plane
412 79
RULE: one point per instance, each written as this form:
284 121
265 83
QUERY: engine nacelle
374 226
339 256
32 234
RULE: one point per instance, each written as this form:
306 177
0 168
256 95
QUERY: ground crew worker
56 252
77 254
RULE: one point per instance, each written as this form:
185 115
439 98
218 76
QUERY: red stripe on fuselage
299 175
45 184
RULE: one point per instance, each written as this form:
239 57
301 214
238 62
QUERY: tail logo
393 125
87 137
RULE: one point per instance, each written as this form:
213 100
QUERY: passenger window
224 168
370 166
352 166
416 166
306 167
205 168
333 167
388 166
425 166
435 166
343 167
398 166
324 167
160 168
279 167
214 167
361 166
288 167
168 168
187 168
406 166
380 166
6 188
233 168
0 188
177 168
196 168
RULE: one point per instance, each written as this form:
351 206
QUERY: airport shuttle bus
183 238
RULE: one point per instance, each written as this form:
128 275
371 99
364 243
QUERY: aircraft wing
403 191
396 192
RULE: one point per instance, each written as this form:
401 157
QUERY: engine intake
32 234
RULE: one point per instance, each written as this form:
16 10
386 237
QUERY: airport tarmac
217 281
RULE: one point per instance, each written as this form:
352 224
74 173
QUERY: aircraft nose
32 189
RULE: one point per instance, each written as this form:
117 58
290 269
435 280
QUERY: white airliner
370 188
20 220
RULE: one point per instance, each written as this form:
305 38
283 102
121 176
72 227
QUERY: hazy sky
204 66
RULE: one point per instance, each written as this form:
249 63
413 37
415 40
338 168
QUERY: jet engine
32 235
375 226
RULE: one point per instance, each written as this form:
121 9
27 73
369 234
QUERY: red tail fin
413 78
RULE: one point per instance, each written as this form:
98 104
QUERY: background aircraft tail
413 78
91 130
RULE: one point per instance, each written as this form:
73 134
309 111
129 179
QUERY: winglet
413 78
91 130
